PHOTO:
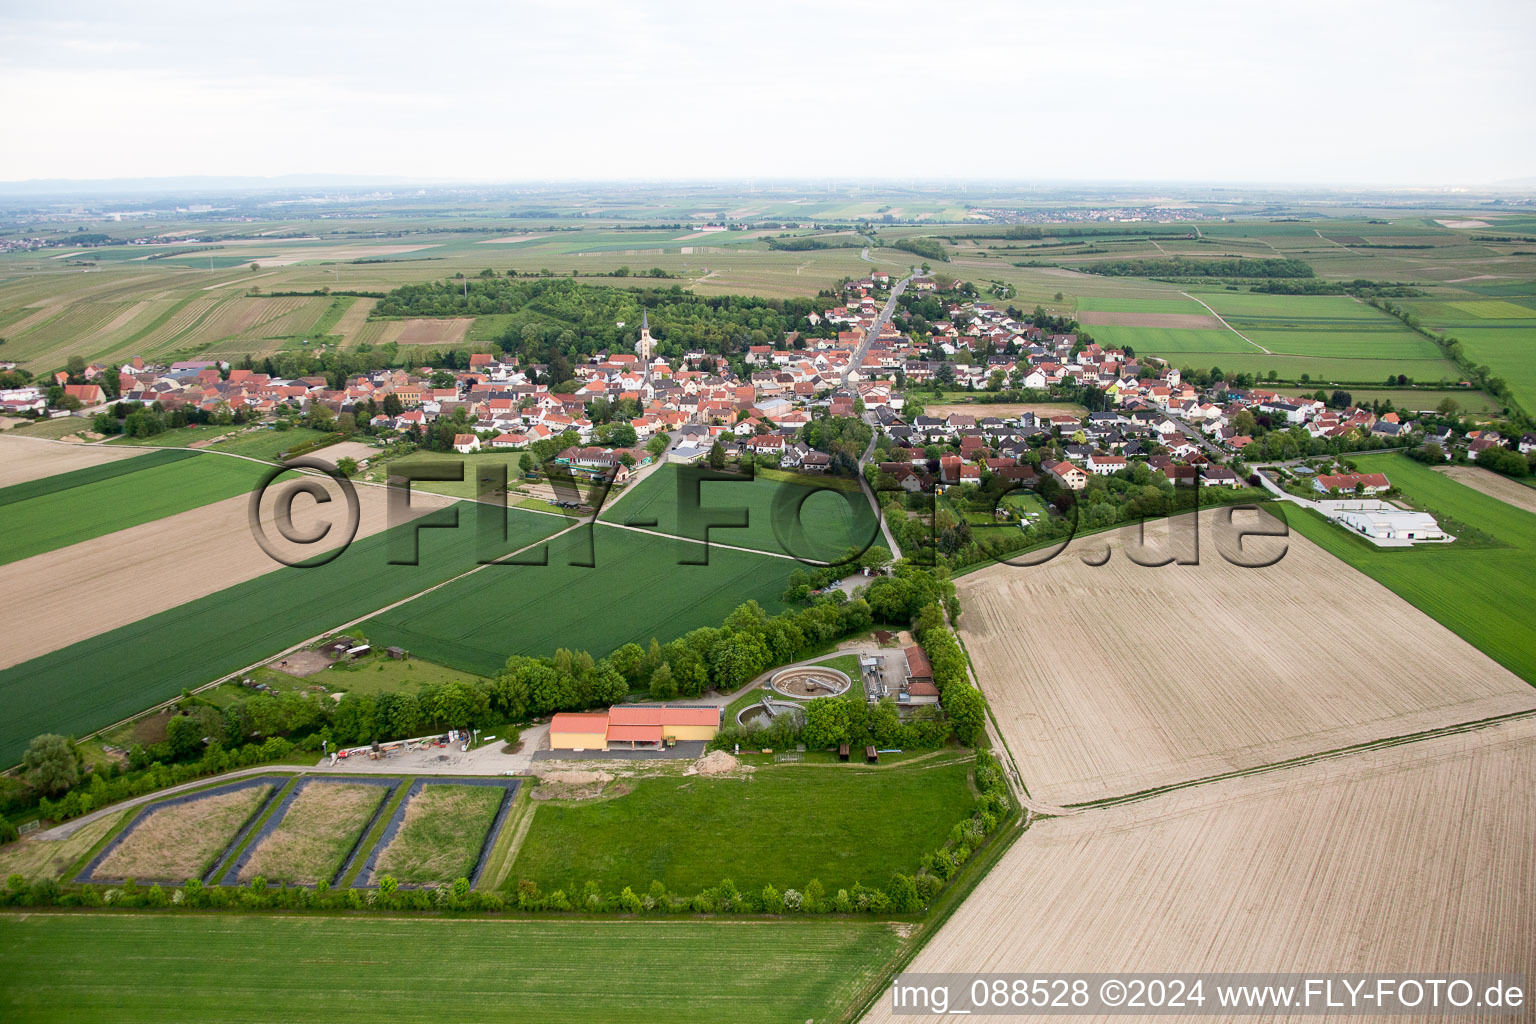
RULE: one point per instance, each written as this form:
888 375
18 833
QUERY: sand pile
717 762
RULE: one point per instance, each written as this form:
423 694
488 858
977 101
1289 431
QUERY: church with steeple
647 344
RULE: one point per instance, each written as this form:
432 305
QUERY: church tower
646 345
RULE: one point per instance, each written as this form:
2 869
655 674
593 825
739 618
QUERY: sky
1339 92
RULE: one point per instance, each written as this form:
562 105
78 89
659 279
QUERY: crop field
441 835
25 458
1483 592
175 560
1497 333
59 482
1277 872
181 841
778 516
120 967
636 589
782 825
316 833
1484 481
1228 667
113 674
156 490
1468 400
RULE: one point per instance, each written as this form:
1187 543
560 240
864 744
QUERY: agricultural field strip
66 481
1291 701
177 559
1275 873
112 968
23 458
1228 326
14 680
163 488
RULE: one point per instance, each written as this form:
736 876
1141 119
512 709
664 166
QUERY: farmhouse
1367 483
633 727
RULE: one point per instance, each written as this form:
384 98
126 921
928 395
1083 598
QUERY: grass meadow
120 967
636 588
118 501
316 833
782 825
1482 592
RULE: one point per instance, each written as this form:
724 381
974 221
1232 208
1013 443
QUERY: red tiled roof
634 733
570 721
663 716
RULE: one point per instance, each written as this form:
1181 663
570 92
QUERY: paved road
875 328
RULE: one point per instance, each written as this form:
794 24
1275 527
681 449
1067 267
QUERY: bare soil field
1005 410
316 833
1375 862
1215 668
1493 485
77 592
354 318
179 842
434 332
1184 321
346 449
25 458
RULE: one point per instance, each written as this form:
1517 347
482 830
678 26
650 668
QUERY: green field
1484 594
776 515
1499 334
109 967
30 489
1328 337
156 490
96 682
267 444
782 825
636 589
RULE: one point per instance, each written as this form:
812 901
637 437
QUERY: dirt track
1115 679
31 458
1388 861
74 593
1493 485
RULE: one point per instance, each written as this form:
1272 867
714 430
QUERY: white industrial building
1384 523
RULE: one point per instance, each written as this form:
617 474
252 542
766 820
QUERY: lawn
636 589
1482 593
113 675
118 501
441 834
379 673
119 967
782 825
814 523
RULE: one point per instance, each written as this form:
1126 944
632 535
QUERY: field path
1229 327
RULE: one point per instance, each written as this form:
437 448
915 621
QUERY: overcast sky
1334 92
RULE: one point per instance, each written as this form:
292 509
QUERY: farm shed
570 731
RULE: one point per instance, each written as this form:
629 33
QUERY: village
978 395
